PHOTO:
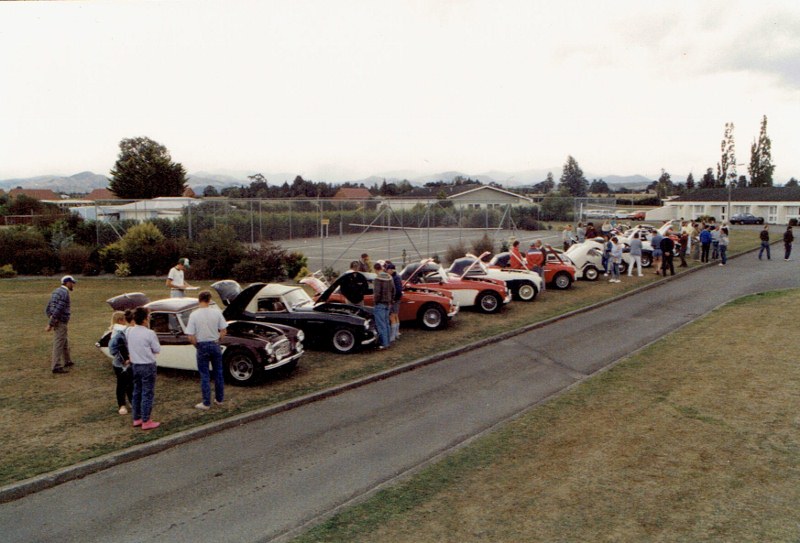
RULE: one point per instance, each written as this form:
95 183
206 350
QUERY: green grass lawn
51 421
692 443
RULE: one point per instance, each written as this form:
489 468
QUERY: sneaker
60 370
69 364
150 425
641 275
137 422
123 410
721 264
202 407
219 403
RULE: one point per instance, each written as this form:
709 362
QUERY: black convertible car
250 349
341 327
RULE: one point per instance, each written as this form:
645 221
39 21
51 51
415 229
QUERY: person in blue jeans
205 329
705 243
143 346
723 245
383 296
764 242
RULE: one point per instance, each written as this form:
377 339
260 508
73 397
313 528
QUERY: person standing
714 242
788 239
353 284
705 243
580 233
58 311
724 240
606 228
764 242
383 295
205 329
655 244
694 241
667 250
175 282
616 259
636 254
364 265
591 233
566 236
516 261
684 241
606 258
394 310
118 347
143 346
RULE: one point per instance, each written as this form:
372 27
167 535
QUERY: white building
462 196
777 205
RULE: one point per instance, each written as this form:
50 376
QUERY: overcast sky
337 90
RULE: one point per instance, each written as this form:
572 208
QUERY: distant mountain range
85 182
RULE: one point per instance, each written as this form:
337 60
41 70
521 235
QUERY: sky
340 90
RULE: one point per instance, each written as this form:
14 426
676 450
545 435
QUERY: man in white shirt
206 328
175 280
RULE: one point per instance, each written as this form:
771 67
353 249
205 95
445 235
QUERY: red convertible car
488 295
430 308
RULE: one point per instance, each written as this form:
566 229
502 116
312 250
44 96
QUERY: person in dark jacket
58 313
788 239
394 311
383 294
668 252
353 284
764 235
118 347
705 243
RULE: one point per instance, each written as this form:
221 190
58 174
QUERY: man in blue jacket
58 311
705 243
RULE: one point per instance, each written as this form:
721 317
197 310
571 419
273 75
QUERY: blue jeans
209 352
381 312
764 245
723 253
144 390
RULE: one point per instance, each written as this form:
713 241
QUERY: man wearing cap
175 282
58 312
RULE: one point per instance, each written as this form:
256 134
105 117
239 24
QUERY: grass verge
52 421
693 439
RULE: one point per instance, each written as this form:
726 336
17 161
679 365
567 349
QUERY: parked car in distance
342 328
636 216
249 349
558 271
746 218
524 284
487 295
430 308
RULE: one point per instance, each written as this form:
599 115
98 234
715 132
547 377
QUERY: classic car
249 349
429 308
343 328
587 257
524 284
558 271
637 216
746 218
488 295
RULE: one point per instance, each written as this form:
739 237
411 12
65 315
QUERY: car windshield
184 317
462 264
297 298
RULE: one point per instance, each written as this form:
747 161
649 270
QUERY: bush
74 258
455 251
123 269
7 271
91 268
483 245
141 249
27 251
109 256
304 272
294 263
266 264
217 252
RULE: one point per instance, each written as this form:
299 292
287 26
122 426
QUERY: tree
210 190
572 180
664 186
726 167
144 169
742 182
792 183
598 185
761 166
708 181
690 181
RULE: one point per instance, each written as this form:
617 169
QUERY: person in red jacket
517 262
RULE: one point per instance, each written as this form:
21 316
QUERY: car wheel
527 292
431 317
591 273
488 302
623 267
562 280
241 368
647 260
343 340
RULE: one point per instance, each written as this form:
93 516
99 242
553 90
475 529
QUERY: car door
176 349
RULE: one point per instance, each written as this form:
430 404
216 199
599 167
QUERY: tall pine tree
572 182
761 166
144 169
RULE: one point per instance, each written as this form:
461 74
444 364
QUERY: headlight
270 349
300 335
366 324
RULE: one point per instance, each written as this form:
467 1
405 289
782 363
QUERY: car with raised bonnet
524 284
428 308
250 350
342 328
486 294
746 218
558 271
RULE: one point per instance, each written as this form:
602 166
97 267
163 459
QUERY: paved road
260 481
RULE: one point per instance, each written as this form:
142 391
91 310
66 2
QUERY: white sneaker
123 410
202 407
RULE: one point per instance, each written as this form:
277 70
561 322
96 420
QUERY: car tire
647 260
562 281
590 273
431 317
241 367
623 267
527 292
343 341
488 302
